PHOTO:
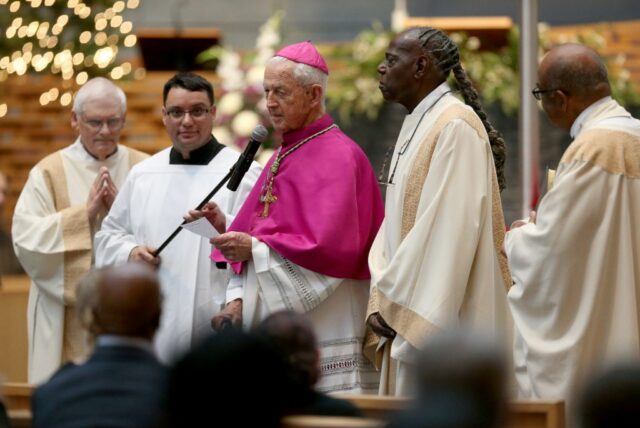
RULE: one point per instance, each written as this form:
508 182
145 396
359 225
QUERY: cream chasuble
436 261
53 241
577 270
148 208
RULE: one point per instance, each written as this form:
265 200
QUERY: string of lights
69 38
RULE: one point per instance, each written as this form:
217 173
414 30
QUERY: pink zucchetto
304 53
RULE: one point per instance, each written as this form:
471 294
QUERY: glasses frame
116 123
183 113
537 92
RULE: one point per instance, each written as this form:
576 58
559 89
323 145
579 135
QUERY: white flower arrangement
241 104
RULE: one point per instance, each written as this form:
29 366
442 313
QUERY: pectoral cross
267 200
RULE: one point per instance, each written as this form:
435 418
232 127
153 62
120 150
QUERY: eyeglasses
97 124
537 92
196 113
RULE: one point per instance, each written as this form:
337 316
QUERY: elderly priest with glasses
152 202
61 207
576 265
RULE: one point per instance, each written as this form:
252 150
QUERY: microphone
258 136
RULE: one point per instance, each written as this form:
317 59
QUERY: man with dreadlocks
436 261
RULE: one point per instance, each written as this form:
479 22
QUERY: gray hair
99 87
304 74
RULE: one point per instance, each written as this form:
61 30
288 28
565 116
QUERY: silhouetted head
571 77
230 379
121 300
293 335
611 398
461 381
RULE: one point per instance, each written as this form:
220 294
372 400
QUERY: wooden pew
536 414
522 414
377 406
17 399
14 295
330 422
17 396
20 418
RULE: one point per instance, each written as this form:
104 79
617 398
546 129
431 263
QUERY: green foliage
353 86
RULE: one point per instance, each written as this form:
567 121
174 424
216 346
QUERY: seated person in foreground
122 384
462 383
293 335
611 398
231 379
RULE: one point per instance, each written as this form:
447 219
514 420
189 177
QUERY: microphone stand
200 205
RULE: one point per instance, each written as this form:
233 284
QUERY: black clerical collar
200 156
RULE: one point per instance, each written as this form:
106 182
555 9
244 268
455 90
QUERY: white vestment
269 283
148 208
53 240
436 261
577 269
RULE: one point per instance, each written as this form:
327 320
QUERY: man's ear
315 92
74 120
564 100
422 66
164 116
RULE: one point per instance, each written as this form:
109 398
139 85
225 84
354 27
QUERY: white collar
428 101
78 149
582 117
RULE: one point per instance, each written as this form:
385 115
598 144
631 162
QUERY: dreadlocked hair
447 58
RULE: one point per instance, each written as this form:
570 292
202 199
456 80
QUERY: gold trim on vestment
615 151
420 170
76 233
499 232
371 339
411 326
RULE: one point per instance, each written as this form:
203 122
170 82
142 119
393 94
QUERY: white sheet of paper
201 227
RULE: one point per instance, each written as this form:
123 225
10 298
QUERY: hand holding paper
213 213
201 227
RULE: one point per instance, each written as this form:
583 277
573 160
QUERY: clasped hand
102 193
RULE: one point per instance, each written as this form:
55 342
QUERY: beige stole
406 322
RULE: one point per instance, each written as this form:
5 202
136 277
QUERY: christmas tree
71 39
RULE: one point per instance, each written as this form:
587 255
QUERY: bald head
127 301
576 69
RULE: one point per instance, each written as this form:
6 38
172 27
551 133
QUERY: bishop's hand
234 246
